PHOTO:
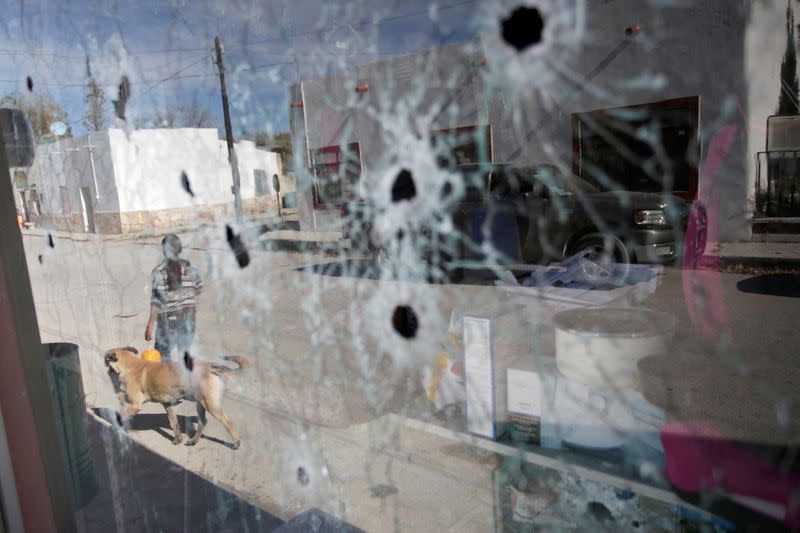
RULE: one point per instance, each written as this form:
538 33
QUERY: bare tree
42 111
195 116
94 117
192 115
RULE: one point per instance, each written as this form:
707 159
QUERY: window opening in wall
615 144
262 186
462 146
35 205
337 174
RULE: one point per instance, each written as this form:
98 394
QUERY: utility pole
234 161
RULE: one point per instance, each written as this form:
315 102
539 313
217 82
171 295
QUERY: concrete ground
322 413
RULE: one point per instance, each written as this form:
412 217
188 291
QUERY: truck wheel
606 260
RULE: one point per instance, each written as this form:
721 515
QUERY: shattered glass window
366 265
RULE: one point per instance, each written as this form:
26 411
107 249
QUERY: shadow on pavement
160 424
772 285
142 491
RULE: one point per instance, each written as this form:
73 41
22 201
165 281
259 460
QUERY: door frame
87 208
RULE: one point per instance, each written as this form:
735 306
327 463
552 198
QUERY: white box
479 376
524 392
530 399
493 341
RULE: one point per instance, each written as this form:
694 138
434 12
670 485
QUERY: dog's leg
132 409
217 412
173 423
202 420
128 411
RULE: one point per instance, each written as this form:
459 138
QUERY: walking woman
173 303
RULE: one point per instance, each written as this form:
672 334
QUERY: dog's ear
130 349
111 355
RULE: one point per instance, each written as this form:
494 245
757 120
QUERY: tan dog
167 383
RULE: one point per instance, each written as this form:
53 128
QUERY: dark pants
175 330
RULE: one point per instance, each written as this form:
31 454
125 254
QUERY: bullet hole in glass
237 247
635 523
187 360
404 320
400 234
50 242
447 190
600 512
123 94
302 476
29 82
185 183
403 187
522 28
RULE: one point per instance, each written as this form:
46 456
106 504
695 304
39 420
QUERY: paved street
319 412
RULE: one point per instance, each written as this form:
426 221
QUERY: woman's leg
164 344
185 338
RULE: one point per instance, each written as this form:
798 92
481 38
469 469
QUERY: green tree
42 111
790 87
280 142
95 116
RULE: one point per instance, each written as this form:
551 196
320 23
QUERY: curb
765 263
724 263
152 233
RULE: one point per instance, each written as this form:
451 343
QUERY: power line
183 19
172 76
362 23
56 53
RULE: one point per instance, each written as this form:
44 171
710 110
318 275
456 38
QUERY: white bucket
600 347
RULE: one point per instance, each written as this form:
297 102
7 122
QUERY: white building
115 182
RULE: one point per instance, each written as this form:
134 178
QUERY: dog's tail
220 369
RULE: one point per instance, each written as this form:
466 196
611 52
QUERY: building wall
766 44
250 159
149 165
61 169
139 180
706 49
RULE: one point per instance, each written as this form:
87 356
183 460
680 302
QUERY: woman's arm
155 306
151 323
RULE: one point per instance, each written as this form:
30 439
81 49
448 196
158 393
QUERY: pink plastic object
699 458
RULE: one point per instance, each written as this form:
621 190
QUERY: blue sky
166 48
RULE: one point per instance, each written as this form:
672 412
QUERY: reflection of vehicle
533 215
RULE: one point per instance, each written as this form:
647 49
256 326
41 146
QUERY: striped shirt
183 297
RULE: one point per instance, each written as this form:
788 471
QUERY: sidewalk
281 236
139 490
754 255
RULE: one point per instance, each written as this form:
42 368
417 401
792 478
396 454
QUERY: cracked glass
365 265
